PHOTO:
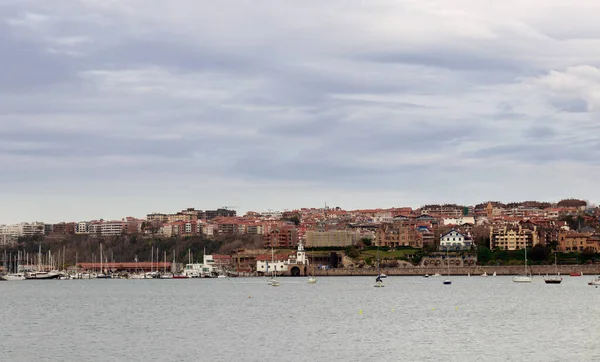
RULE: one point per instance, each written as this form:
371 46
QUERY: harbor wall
593 269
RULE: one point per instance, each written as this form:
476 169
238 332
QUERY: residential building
283 237
112 228
332 238
455 240
401 232
82 227
513 237
575 241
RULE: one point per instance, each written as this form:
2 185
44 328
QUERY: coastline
564 270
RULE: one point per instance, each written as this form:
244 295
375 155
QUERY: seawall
593 269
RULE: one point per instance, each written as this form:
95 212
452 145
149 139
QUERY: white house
454 240
268 263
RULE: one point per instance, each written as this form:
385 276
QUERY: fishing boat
553 279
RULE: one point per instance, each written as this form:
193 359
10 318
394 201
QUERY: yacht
13 276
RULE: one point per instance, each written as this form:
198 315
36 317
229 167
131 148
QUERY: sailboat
378 281
523 278
447 281
15 275
273 282
553 279
312 279
102 275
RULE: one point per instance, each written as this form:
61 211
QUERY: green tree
538 253
351 252
484 255
366 241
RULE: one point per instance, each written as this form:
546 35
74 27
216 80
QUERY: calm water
411 319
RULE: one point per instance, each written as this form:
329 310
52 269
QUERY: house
293 264
455 240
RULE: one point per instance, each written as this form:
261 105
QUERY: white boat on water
312 280
484 275
42 275
13 276
437 275
595 282
523 278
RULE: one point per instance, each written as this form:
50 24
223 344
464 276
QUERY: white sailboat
447 281
312 279
273 282
523 278
14 275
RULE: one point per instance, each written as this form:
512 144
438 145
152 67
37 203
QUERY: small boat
382 275
180 276
595 282
494 274
42 275
426 276
437 275
484 275
311 280
274 283
379 284
553 279
523 278
576 274
447 281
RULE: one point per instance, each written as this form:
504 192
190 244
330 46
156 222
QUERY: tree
539 253
484 255
366 241
351 252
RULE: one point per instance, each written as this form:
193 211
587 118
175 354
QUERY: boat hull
522 279
552 281
42 276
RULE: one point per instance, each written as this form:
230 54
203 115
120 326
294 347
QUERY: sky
114 108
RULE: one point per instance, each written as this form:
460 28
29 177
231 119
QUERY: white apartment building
82 227
112 228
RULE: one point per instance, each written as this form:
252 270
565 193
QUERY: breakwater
593 269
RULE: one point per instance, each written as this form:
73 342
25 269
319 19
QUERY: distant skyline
121 108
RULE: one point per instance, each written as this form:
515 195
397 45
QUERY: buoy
432 308
249 297
360 311
392 309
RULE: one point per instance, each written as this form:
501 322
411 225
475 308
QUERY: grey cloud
540 132
573 105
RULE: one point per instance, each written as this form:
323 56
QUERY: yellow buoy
360 311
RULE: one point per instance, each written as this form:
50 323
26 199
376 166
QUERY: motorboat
13 276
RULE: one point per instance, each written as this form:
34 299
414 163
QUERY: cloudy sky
110 108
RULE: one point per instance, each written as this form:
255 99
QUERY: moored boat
13 276
42 275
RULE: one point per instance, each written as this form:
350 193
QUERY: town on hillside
489 233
